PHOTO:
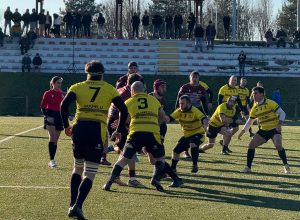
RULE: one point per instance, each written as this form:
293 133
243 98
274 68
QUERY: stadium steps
168 57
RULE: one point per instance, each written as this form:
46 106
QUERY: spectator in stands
191 24
226 24
32 36
269 37
16 31
178 21
210 35
68 20
242 59
1 37
78 24
277 97
281 38
135 22
296 38
101 22
26 20
33 20
42 22
157 22
48 24
37 62
169 24
86 22
26 63
8 16
17 17
145 23
24 44
199 34
56 24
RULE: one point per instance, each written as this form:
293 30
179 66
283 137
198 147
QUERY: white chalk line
16 135
35 187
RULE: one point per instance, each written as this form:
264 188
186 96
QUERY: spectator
281 38
135 21
101 22
269 37
32 36
242 58
157 22
226 23
17 17
277 97
26 63
178 21
56 23
26 20
48 24
191 24
24 44
1 37
210 35
33 20
145 23
86 22
169 23
42 22
16 31
199 34
68 20
37 62
296 38
77 24
8 16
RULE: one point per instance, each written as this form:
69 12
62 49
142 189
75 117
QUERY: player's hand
209 106
241 134
114 125
116 135
243 114
68 131
50 119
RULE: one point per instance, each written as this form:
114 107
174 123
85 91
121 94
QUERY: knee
192 145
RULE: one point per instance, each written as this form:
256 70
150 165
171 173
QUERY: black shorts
184 143
138 140
267 135
87 141
124 132
245 110
212 132
57 121
163 130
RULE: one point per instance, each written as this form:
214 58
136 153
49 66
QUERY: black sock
282 155
83 191
250 130
159 170
170 172
75 183
195 155
225 147
115 172
250 157
52 150
174 164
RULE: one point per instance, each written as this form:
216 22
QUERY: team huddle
136 122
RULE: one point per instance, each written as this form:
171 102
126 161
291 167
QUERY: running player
50 107
194 125
93 98
270 117
132 69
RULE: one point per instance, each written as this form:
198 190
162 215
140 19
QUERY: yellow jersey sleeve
204 85
176 114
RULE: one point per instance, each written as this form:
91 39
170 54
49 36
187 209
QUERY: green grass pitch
218 191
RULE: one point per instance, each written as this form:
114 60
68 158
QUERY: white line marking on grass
36 187
16 135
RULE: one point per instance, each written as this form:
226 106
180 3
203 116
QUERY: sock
131 173
75 182
174 164
250 157
104 156
115 173
282 155
52 150
195 155
250 130
225 147
159 170
168 170
83 191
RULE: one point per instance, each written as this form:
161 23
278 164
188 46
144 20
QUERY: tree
81 6
287 18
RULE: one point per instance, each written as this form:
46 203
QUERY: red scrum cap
157 83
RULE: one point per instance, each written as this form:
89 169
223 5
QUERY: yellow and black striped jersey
215 119
244 95
226 91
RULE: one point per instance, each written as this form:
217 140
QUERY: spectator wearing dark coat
33 20
32 36
37 62
48 24
68 20
86 22
135 22
8 16
1 37
191 24
42 22
178 21
157 22
242 59
145 23
169 24
210 35
296 38
26 20
26 63
199 34
17 17
281 38
269 37
77 24
226 24
24 44
101 22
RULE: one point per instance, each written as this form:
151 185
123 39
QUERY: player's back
221 109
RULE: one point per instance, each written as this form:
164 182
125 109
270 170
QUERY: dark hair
195 73
132 63
186 98
244 77
94 67
134 78
54 80
259 89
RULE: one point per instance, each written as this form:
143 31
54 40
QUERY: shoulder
223 88
204 85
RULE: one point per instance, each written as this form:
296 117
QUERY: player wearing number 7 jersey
93 98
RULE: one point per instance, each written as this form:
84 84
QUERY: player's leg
212 133
181 146
227 135
133 181
277 141
52 146
195 142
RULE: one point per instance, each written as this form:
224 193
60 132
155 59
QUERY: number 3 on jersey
142 103
97 90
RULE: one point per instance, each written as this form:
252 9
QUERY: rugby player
93 98
270 117
50 106
219 123
209 92
194 124
132 69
